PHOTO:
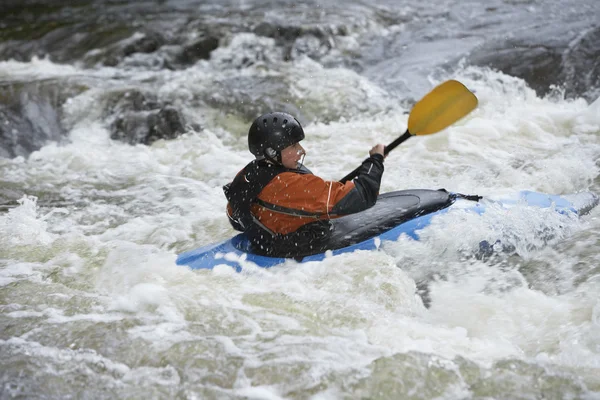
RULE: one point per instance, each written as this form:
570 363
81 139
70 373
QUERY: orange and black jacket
286 211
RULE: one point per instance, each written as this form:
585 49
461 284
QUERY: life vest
242 193
245 188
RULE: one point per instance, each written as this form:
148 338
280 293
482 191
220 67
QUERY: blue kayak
398 213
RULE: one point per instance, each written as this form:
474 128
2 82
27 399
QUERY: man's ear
270 152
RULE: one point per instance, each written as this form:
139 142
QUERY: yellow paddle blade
440 108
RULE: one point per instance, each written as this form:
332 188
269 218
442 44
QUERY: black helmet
272 132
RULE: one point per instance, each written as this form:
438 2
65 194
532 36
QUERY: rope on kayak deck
471 197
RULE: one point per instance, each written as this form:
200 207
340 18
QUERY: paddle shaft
388 148
440 108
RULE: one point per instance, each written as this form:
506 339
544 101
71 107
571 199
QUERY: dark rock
141 118
67 42
535 63
168 123
111 55
198 50
278 32
581 65
9 196
572 60
130 99
27 128
13 135
30 115
148 43
172 57
130 128
146 127
313 41
68 31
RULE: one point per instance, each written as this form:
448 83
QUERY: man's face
291 155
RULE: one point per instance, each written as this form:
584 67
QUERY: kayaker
283 208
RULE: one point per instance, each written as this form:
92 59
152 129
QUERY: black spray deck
391 210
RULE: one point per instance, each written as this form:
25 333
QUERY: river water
92 304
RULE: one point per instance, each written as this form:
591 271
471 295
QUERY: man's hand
377 149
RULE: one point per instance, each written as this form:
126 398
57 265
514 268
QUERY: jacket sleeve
366 188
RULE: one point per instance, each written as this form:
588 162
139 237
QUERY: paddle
440 108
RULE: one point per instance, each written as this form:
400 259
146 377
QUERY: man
283 208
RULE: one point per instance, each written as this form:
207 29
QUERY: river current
92 304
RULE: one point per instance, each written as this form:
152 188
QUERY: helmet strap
272 155
301 162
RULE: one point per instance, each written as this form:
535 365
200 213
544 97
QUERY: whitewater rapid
93 305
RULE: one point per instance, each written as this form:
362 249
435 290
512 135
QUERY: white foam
131 209
62 356
589 121
22 226
37 68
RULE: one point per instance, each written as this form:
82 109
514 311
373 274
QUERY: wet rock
313 41
61 41
30 115
130 99
78 29
249 97
13 136
169 51
115 53
96 33
281 33
9 196
535 63
581 65
146 43
200 49
146 127
141 117
168 123
571 59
